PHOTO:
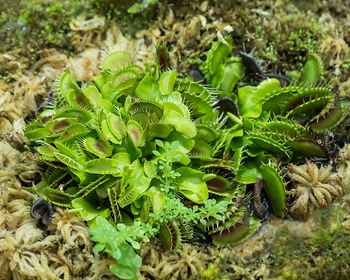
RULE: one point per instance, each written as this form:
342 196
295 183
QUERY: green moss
210 273
288 255
33 25
324 255
284 39
29 26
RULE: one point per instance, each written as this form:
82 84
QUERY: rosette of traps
138 153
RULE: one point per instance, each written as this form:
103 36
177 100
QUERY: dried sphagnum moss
62 251
314 187
184 263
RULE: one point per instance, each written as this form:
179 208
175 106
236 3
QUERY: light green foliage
120 242
173 208
210 273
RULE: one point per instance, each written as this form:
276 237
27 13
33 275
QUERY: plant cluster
292 122
143 153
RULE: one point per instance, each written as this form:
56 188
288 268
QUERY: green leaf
115 61
81 177
116 126
98 147
47 150
75 130
218 53
57 126
93 96
191 184
125 266
248 172
249 97
234 71
174 116
103 231
36 133
66 84
88 210
311 70
135 132
107 133
148 89
185 143
150 168
57 197
274 188
218 77
137 184
104 166
157 199
68 161
114 241
180 157
167 82
66 150
123 159
46 116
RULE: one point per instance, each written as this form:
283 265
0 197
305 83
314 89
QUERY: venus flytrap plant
125 153
275 119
